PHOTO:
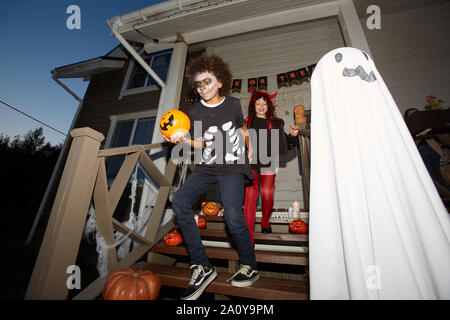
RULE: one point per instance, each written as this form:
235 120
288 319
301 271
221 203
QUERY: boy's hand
174 139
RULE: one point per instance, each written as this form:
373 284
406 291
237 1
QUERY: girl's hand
293 130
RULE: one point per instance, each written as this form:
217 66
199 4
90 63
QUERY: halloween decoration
201 222
299 113
378 228
174 123
173 238
128 284
210 209
298 226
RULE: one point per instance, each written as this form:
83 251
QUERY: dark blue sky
34 40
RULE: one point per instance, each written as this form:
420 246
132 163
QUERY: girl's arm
248 144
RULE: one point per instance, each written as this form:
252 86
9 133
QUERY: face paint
207 85
261 108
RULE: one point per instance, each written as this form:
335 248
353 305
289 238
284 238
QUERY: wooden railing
305 154
84 179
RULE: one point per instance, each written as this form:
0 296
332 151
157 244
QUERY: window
125 131
158 61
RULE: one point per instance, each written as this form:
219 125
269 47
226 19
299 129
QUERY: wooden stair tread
291 237
289 258
257 220
264 288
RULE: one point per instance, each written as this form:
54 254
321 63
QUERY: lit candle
296 206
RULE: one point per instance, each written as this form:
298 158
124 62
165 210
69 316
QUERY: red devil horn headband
252 90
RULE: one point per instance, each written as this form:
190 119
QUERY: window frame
128 76
124 117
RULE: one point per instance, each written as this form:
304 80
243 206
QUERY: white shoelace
198 270
244 269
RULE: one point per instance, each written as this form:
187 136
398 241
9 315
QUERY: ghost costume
378 228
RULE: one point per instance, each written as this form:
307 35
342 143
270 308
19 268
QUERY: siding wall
101 101
267 53
412 53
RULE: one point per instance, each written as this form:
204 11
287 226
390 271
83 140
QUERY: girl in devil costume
262 119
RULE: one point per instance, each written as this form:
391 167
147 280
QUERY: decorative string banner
284 79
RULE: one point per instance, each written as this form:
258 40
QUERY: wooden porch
84 180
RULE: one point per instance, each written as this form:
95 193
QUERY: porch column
62 237
170 95
351 26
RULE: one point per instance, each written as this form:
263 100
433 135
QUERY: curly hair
212 64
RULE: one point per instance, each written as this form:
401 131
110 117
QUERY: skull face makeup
207 85
371 197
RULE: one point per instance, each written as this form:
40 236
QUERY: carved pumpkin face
174 123
210 209
173 238
298 226
201 222
128 284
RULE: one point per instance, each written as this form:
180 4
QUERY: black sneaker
201 278
266 230
244 277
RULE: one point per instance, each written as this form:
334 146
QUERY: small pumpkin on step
298 226
173 238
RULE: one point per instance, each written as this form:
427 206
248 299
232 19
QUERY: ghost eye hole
365 55
338 57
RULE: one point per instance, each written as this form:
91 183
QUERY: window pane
121 138
160 65
144 131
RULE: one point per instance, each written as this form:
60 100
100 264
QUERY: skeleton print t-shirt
224 151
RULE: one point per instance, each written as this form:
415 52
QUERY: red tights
251 195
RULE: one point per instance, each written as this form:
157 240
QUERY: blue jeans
232 194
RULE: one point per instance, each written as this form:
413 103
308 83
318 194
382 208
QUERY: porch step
263 289
275 238
289 258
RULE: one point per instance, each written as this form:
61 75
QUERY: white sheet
378 228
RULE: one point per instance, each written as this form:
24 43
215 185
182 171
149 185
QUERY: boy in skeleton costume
222 160
378 229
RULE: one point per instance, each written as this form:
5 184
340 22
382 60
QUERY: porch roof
85 69
198 20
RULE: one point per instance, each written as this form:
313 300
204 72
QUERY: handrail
84 178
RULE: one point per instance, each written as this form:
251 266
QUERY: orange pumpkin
201 223
173 238
298 226
128 284
210 209
174 123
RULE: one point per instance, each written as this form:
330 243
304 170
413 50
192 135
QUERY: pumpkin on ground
127 284
210 208
173 238
298 226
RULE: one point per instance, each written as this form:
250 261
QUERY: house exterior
257 39
132 86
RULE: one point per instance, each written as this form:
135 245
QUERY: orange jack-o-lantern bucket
174 123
